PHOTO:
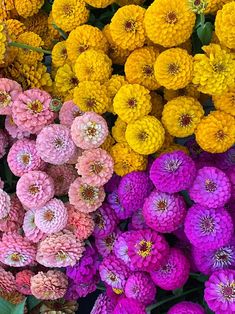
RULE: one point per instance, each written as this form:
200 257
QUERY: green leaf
199 277
32 302
8 308
178 292
204 32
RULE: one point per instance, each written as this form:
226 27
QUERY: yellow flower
127 28
3 43
187 45
132 102
84 37
225 25
214 5
169 23
198 6
139 67
190 90
121 3
52 31
216 132
126 160
118 130
25 56
225 102
93 65
116 54
181 116
99 3
108 144
92 96
59 54
66 79
157 105
146 135
68 14
27 8
214 72
174 68
15 28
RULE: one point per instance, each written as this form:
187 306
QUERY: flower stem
62 33
154 306
24 46
202 19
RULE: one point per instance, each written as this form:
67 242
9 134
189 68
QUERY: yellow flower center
171 17
5 99
220 135
219 67
48 215
33 189
118 291
173 68
145 248
129 25
15 257
36 106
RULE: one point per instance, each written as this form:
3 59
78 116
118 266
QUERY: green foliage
204 33
8 308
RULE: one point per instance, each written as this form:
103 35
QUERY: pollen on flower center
185 120
173 68
48 215
172 165
132 103
33 189
68 9
112 277
5 99
91 103
36 106
96 168
228 291
220 135
88 192
171 17
148 70
15 257
210 186
219 67
162 205
129 25
207 224
25 158
144 248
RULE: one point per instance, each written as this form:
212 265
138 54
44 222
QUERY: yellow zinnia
59 54
225 102
119 130
66 79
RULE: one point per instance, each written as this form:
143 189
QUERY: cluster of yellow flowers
160 91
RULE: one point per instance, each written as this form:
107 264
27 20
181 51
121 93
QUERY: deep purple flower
225 160
231 175
103 305
112 184
81 290
186 307
129 306
115 204
105 245
121 247
138 221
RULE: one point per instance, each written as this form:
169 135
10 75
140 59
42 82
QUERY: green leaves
204 32
8 308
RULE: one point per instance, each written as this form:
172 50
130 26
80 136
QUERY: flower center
219 67
36 106
89 192
171 17
162 205
92 129
220 135
68 9
228 291
143 136
82 48
185 120
145 248
59 143
64 51
77 113
15 257
166 268
172 165
109 241
49 215
99 220
59 179
132 103
61 255
74 81
97 167
112 277
91 103
223 257
210 186
117 291
5 99
129 25
173 68
207 224
33 189
25 158
148 70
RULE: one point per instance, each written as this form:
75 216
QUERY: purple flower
129 306
112 184
105 245
138 221
226 160
186 307
208 227
211 187
114 202
103 305
76 291
121 247
173 172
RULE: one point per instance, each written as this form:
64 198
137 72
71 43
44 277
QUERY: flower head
9 91
23 281
31 231
65 79
105 245
5 204
103 305
225 102
129 306
105 221
115 204
68 112
186 307
27 8
7 282
3 143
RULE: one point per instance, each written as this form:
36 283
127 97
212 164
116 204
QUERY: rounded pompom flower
164 212
31 231
225 102
95 166
23 281
115 204
121 247
14 131
208 227
51 285
138 221
89 131
34 189
114 272
31 110
23 157
68 112
129 306
9 91
105 245
103 305
105 221
145 135
7 281
174 273
219 291
173 172
211 187
133 189
85 198
186 307
59 250
16 251
147 249
52 217
81 224
5 204
3 143
54 144
141 288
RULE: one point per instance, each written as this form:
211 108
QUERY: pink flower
23 281
86 198
35 189
49 286
5 204
52 217
9 91
89 131
54 144
3 143
32 232
31 110
16 250
68 112
1 184
73 160
60 250
7 281
14 130
95 166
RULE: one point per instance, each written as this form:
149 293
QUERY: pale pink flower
9 91
31 231
68 112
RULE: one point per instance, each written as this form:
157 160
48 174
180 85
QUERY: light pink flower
86 198
73 160
31 110
68 112
13 130
9 90
7 281
5 204
89 131
23 281
32 232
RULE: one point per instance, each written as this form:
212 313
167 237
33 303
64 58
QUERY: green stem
24 46
202 19
62 33
100 288
154 306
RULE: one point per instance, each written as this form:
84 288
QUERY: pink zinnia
68 112
95 166
9 91
3 143
60 250
52 217
7 281
16 250
73 160
86 198
32 232
5 204
49 286
35 189
89 131
23 281
31 110
1 184
14 130
23 157
63 176
54 144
